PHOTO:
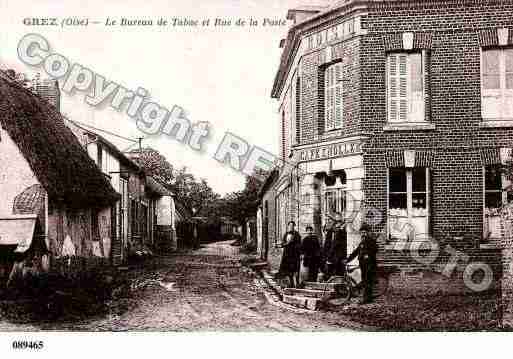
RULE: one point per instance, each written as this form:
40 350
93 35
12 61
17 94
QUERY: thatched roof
54 154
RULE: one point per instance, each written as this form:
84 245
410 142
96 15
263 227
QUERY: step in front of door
320 286
302 302
309 293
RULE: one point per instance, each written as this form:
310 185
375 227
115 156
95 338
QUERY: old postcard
243 166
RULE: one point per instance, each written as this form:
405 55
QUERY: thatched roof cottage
51 192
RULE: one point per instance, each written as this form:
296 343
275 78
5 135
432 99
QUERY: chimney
48 90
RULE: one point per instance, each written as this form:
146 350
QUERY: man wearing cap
366 252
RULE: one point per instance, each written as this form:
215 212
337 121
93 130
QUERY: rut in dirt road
205 290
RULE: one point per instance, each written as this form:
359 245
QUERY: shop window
408 202
333 106
495 196
497 84
405 87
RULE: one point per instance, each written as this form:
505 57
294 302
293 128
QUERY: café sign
330 151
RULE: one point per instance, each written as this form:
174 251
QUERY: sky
220 75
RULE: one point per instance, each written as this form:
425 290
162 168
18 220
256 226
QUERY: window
405 87
495 196
408 202
298 110
497 84
334 196
283 137
350 26
334 33
319 39
310 42
333 96
334 201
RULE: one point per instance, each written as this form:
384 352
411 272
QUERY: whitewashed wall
15 174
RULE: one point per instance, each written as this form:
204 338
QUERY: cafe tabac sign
330 151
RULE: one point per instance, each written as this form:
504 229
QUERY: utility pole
140 145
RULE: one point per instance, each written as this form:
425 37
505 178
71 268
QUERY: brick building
402 110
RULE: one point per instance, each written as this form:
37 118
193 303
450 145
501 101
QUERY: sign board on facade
329 151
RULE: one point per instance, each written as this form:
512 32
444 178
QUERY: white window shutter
491 84
333 97
416 99
328 98
508 84
393 88
403 87
338 96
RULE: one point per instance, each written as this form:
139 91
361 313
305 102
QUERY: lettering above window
497 84
340 31
405 87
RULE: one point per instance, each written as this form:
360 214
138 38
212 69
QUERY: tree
196 195
154 164
241 205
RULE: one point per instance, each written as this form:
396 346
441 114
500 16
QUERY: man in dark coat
337 250
311 251
366 252
290 260
328 239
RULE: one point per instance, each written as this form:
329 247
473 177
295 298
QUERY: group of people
331 257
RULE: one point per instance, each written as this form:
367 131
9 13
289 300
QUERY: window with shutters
283 140
297 105
497 84
405 87
408 202
333 109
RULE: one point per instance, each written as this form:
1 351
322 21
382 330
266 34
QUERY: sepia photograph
218 167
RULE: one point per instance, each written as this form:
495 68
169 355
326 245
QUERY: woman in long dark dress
311 251
291 244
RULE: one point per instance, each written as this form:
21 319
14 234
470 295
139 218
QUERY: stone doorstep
271 282
302 302
309 293
258 266
320 286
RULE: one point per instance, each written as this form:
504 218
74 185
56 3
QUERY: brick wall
452 33
312 66
455 110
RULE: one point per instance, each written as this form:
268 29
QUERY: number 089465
27 345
